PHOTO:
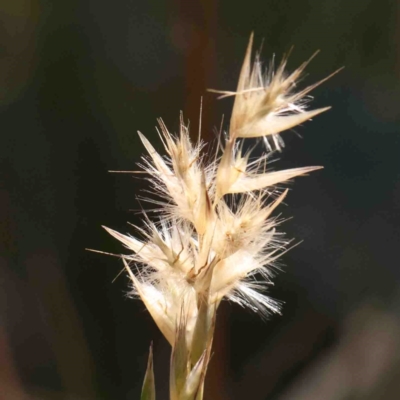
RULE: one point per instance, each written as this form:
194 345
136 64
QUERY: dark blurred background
79 78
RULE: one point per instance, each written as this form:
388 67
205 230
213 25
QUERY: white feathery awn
215 237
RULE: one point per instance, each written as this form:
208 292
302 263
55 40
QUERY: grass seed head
215 237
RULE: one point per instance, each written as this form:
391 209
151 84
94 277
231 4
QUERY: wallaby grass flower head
215 236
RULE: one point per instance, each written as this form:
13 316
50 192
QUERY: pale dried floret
267 103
